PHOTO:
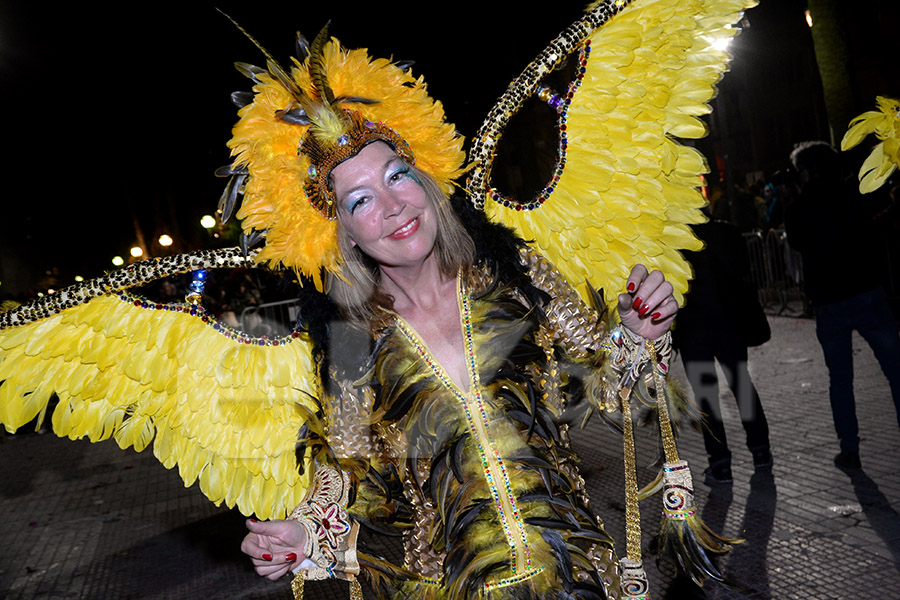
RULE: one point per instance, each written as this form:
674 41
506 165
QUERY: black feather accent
232 169
529 421
241 99
596 535
532 461
567 506
294 114
581 560
679 540
274 68
246 241
456 457
475 580
375 476
564 568
352 491
532 405
551 523
548 423
467 517
228 199
440 496
301 46
379 529
382 565
355 100
438 473
449 514
587 591
403 65
249 71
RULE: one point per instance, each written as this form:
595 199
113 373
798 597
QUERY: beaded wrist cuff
628 356
331 534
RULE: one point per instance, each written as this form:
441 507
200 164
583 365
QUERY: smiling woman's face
383 208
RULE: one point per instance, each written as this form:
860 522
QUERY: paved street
91 521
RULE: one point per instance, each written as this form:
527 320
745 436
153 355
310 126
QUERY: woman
388 219
445 420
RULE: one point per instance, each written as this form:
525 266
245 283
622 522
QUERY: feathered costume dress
477 477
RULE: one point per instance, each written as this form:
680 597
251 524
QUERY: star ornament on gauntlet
331 534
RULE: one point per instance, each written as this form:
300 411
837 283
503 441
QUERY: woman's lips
407 230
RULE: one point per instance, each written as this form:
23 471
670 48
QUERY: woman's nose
391 205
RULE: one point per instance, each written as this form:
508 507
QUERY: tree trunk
833 58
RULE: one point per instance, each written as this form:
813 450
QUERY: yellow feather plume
885 156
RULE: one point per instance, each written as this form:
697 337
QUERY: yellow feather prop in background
884 158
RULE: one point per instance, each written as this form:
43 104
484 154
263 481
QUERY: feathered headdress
297 125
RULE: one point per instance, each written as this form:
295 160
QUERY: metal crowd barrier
270 319
777 271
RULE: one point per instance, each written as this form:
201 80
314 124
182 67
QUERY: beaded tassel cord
683 534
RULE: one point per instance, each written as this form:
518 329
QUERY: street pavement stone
91 521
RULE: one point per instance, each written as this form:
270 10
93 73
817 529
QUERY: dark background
114 120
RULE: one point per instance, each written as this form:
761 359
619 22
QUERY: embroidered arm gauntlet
617 358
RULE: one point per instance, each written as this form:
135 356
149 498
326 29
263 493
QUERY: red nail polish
254 520
637 304
644 310
267 557
631 287
655 316
290 557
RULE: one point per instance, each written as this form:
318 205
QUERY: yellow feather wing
223 410
627 191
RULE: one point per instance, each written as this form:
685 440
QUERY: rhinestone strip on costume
561 105
200 313
484 146
130 276
479 424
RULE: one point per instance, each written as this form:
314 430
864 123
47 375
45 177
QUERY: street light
165 240
137 251
118 261
208 222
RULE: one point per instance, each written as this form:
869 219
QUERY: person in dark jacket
830 226
707 331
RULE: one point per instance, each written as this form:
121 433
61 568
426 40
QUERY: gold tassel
355 590
298 582
683 533
633 583
297 585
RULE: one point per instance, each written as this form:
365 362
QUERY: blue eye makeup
355 203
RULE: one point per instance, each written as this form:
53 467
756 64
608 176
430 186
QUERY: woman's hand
648 307
274 547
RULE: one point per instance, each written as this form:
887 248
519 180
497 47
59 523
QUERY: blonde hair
356 290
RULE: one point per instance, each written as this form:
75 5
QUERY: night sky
112 116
